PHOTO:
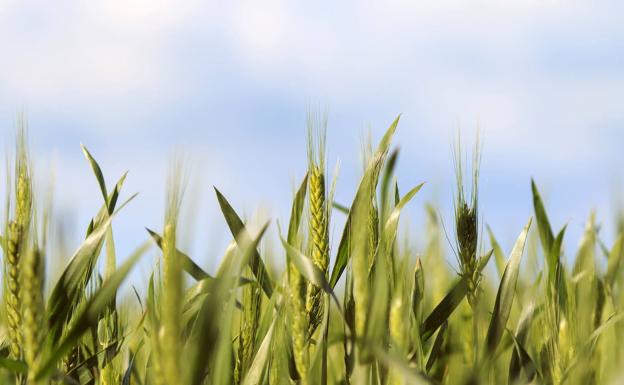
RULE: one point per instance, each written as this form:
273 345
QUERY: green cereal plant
467 221
172 286
32 310
249 323
17 240
385 308
297 287
318 214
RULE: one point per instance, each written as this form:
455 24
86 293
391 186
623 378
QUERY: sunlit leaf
506 292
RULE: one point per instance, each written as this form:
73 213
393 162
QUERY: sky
226 86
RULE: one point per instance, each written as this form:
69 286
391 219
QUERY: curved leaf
72 283
239 232
437 347
88 315
187 263
295 216
256 370
13 365
543 225
614 262
361 201
310 271
499 255
506 292
392 223
98 173
444 309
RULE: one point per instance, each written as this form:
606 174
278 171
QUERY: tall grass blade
360 202
239 232
505 294
88 314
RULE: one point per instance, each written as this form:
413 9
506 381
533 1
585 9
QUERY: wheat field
362 309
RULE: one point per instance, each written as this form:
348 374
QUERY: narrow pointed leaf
386 183
310 271
506 292
499 255
444 309
521 362
70 285
128 373
360 202
187 263
295 215
256 370
449 303
109 206
556 277
13 365
342 208
89 314
297 209
392 223
437 347
543 225
614 262
484 259
239 232
97 171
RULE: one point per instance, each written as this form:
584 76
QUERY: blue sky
229 84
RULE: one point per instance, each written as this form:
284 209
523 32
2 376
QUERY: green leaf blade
506 293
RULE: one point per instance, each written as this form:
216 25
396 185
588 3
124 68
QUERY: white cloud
261 29
99 57
541 78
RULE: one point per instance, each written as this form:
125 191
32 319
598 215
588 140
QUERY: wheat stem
12 294
252 297
32 310
299 326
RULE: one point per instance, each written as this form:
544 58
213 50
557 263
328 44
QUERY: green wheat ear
16 243
318 219
467 220
12 293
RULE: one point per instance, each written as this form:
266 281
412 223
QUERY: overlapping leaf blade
239 232
360 203
506 293
89 313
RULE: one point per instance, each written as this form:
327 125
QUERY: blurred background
228 85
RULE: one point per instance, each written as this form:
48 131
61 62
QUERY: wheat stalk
32 310
319 212
16 242
172 285
400 329
467 222
467 231
12 292
299 328
251 301
170 331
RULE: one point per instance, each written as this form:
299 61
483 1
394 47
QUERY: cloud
543 81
